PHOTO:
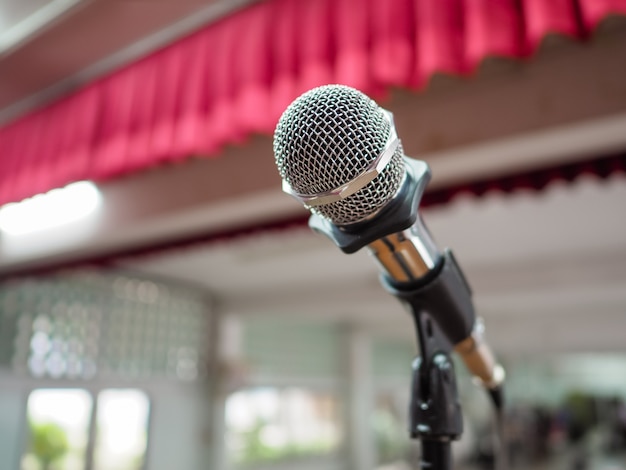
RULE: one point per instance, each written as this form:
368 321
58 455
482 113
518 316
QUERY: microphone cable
500 429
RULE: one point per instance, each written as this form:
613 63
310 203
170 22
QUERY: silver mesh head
329 136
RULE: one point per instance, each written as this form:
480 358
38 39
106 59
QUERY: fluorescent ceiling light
52 209
27 26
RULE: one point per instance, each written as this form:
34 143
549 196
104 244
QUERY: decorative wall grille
83 324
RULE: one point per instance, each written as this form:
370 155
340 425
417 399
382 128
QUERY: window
58 424
269 424
390 426
60 430
122 428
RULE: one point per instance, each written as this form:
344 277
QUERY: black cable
500 441
497 396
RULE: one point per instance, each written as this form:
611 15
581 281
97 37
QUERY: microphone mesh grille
327 137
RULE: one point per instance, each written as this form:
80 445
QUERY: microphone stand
435 416
440 304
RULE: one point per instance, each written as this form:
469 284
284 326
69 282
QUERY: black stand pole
434 411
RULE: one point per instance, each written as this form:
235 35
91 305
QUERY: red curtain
234 78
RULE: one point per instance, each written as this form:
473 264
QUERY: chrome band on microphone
350 187
359 182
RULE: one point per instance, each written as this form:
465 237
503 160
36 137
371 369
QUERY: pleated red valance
234 77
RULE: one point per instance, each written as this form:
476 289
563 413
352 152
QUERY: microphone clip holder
434 411
435 416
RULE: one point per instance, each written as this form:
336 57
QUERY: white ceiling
51 47
548 269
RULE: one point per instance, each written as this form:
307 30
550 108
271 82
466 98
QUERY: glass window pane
268 424
390 426
122 429
58 429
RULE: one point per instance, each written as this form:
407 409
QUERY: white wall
12 420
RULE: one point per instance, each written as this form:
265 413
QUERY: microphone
338 153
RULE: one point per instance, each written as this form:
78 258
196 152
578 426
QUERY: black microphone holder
435 416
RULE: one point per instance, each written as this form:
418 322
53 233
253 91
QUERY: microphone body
338 153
